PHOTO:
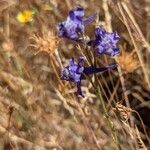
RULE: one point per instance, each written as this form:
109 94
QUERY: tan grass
39 111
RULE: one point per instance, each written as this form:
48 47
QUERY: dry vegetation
38 111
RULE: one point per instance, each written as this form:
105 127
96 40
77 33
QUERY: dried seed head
47 43
124 112
127 61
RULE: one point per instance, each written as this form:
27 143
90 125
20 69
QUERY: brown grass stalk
135 45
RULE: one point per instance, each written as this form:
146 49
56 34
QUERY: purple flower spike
74 25
105 42
76 72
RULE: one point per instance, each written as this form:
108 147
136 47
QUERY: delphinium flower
73 27
25 16
105 42
75 72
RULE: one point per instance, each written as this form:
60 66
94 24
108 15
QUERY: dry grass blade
108 21
145 43
140 141
16 83
135 45
17 139
4 4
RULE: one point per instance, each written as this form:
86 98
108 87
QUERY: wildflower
105 42
25 16
75 72
73 27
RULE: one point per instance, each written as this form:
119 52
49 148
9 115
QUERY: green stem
106 114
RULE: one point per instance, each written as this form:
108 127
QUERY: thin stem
106 114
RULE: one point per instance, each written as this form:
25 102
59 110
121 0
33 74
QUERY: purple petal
76 14
90 19
91 70
100 32
116 51
71 61
100 49
116 36
76 77
80 64
71 15
79 91
81 60
65 74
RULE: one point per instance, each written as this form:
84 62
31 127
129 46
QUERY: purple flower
76 72
105 42
74 25
73 71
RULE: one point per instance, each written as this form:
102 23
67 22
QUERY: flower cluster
73 27
104 43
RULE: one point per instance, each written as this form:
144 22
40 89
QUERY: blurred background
38 111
